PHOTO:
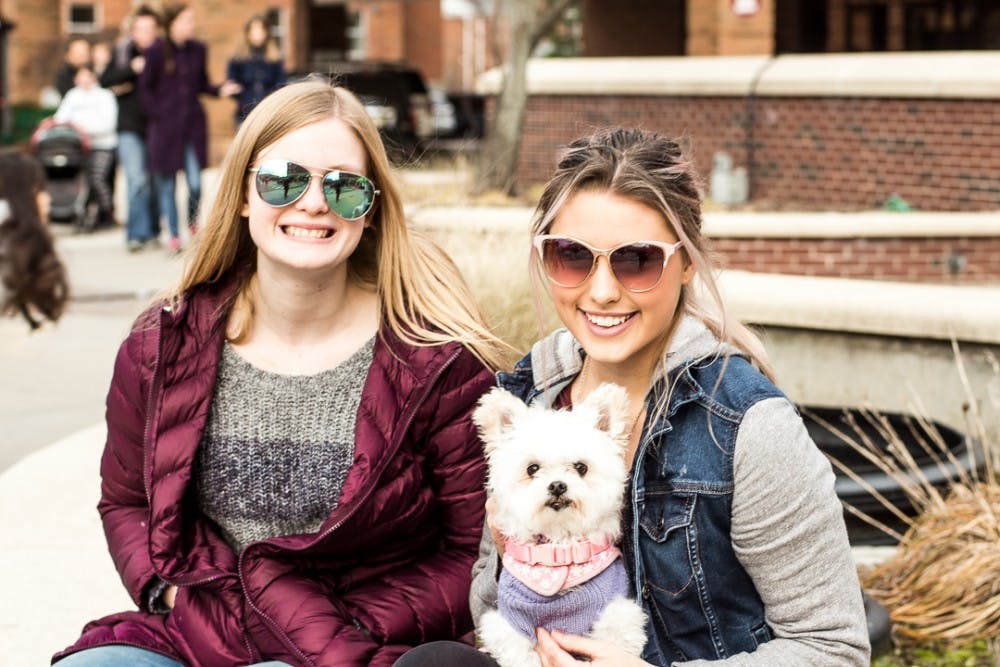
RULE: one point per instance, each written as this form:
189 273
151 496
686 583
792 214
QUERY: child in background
95 111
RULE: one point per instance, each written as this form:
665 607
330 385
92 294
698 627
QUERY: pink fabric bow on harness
548 568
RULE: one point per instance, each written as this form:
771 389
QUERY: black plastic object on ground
935 466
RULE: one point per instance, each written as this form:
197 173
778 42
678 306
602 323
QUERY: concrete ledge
908 310
955 74
726 224
692 75
56 574
873 224
943 74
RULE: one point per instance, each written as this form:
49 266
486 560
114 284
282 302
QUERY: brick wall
808 153
423 32
955 260
713 29
34 54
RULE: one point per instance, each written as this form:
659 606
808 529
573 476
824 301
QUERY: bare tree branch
548 21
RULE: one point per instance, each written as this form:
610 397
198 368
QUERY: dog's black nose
557 488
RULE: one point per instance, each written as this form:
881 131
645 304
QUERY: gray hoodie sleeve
788 533
485 572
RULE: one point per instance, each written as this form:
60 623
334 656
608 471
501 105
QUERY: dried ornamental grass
944 583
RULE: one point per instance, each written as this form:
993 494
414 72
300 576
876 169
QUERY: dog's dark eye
532 469
580 467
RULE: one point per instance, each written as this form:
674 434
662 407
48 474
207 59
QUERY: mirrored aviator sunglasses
282 182
638 266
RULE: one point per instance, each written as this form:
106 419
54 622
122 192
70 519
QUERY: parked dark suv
395 97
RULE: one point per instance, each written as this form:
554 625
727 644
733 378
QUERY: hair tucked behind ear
651 169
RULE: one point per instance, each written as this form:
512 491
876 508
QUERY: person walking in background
256 66
32 277
77 56
291 473
95 111
122 76
176 131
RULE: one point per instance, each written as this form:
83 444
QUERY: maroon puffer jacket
389 568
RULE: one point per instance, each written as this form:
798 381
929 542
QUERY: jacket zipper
147 445
282 635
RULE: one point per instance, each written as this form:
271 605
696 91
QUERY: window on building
355 31
275 18
816 26
867 26
954 25
82 18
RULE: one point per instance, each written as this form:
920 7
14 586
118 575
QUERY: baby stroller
63 149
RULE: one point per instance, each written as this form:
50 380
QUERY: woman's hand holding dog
556 649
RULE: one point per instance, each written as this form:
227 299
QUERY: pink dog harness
548 568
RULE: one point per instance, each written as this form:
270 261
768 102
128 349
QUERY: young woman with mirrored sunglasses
291 473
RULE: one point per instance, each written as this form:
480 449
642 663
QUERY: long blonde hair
424 299
651 169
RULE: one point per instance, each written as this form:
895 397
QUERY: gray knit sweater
277 448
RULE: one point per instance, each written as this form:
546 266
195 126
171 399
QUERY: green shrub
24 118
976 654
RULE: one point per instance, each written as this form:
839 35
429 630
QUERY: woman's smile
307 232
607 324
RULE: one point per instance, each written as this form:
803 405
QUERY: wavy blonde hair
652 170
424 299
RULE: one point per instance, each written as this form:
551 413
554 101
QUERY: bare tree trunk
528 22
497 164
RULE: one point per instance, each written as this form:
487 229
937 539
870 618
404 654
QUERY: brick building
448 41
823 104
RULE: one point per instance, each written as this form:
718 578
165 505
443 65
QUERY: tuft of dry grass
942 586
495 264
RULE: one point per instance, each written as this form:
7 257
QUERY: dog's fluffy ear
496 412
610 403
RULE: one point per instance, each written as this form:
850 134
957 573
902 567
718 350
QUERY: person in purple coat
176 130
291 471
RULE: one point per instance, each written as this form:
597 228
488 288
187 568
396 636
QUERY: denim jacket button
645 591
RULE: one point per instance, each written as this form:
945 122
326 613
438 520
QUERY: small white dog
558 479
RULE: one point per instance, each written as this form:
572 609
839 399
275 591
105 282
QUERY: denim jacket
686 573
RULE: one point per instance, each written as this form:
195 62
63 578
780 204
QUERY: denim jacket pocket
666 520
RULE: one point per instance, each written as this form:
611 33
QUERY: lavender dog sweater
574 610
